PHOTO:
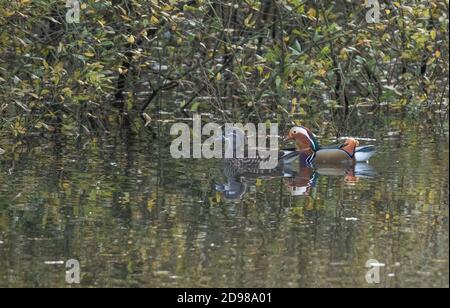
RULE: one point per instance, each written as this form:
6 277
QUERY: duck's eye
295 132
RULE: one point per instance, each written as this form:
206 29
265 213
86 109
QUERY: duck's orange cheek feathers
351 146
302 142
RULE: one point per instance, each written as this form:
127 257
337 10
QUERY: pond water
134 217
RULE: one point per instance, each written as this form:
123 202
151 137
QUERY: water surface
134 217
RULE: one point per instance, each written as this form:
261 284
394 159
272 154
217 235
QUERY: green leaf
278 82
195 106
296 48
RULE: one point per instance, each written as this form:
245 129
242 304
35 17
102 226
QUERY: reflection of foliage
256 57
134 217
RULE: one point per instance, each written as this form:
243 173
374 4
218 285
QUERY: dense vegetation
239 60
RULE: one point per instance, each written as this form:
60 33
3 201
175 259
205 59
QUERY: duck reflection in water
307 178
299 183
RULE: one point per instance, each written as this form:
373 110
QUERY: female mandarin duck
236 139
311 154
239 170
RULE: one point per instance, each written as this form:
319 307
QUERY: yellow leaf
131 39
343 54
218 197
9 13
260 70
89 54
433 34
154 20
248 21
58 67
312 13
219 77
151 204
294 105
167 8
437 54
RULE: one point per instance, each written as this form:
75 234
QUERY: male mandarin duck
311 154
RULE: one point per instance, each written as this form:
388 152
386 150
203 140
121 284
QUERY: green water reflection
133 216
